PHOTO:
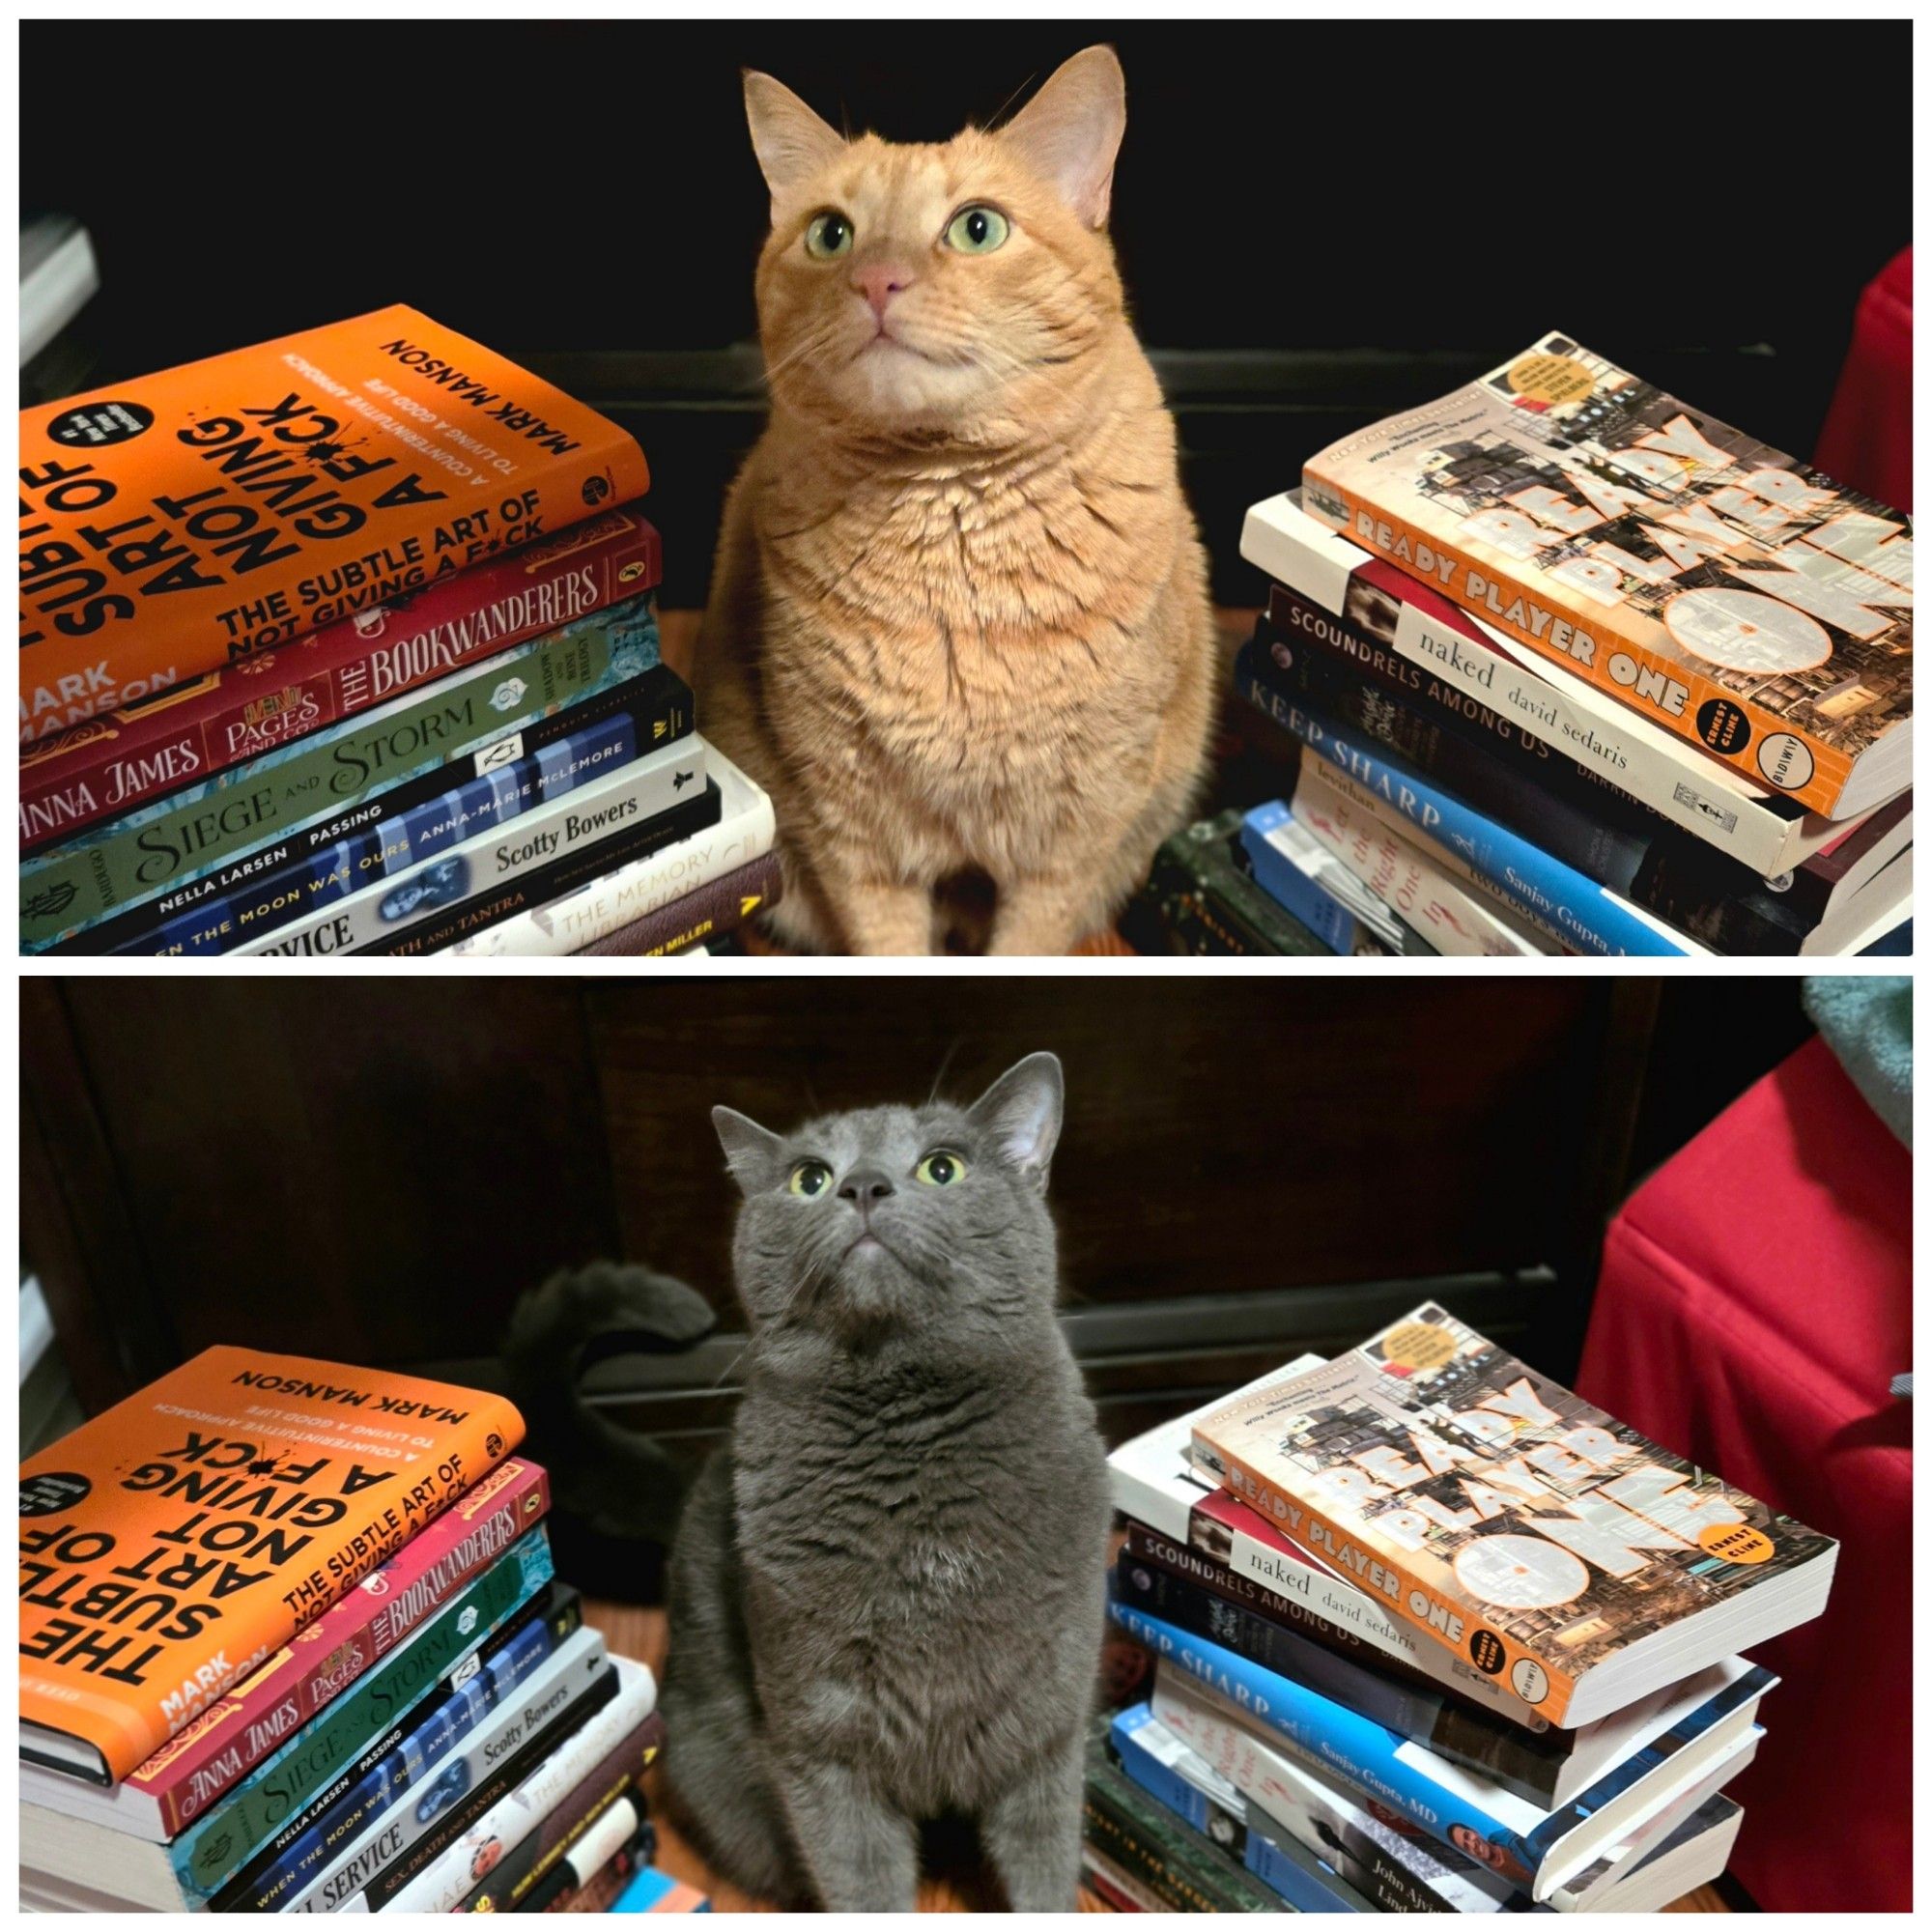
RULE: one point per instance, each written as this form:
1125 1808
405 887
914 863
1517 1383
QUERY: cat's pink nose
880 283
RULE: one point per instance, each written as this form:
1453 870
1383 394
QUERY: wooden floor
631 1632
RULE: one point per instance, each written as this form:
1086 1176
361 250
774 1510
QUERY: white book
59 276
1270 1770
1454 916
744 832
1766 832
447 1879
579 817
1445 857
563 1678
1686 1844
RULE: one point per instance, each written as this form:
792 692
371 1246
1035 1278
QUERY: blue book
305 1769
426 1735
1300 1878
1284 882
1530 1847
1554 898
1303 877
300 887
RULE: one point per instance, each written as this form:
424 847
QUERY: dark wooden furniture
375 1170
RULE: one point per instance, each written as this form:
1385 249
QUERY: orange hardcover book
173 524
183 1535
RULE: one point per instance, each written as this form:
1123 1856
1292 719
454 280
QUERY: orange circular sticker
1418 1344
1550 379
1735 1543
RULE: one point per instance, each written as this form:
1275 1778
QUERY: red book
144 751
200 1765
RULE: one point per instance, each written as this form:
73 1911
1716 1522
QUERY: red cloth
1755 1302
1867 440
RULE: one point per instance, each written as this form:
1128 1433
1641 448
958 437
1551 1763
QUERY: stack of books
292 1640
348 643
1567 665
1431 1633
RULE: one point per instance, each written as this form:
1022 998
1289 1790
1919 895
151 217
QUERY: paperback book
1511 1522
169 843
1733 595
1335 596
1536 1847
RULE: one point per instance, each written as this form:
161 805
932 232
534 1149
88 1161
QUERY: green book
168 844
1209 903
283 1786
1180 1865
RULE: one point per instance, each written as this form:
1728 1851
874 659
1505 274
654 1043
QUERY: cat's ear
1021 1110
792 142
755 1154
1070 132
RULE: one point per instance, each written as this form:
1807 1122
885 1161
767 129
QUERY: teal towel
1868 1023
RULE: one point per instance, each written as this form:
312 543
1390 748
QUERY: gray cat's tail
608 1485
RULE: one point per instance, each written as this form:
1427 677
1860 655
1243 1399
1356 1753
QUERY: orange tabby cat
960 620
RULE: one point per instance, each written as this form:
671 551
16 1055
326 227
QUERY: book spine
705 914
522 1868
579 1670
194 731
1397 1871
1601 832
1402 1589
1114 1887
551 882
300 1852
1296 1887
1328 919
1667 776
1194 1567
1294 1884
1457 919
613 901
201 1764
227 1836
1152 1847
1418 1711
583 800
1337 1742
441 1871
1553 897
1599 644
1602 739
173 841
506 820
271 886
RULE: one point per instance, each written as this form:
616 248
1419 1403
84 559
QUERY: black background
1699 202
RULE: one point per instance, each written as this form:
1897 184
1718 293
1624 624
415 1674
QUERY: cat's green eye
977 230
941 1170
827 236
809 1177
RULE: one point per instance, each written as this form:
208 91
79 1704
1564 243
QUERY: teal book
169 843
286 1787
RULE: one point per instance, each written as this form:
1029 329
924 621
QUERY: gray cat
886 1596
